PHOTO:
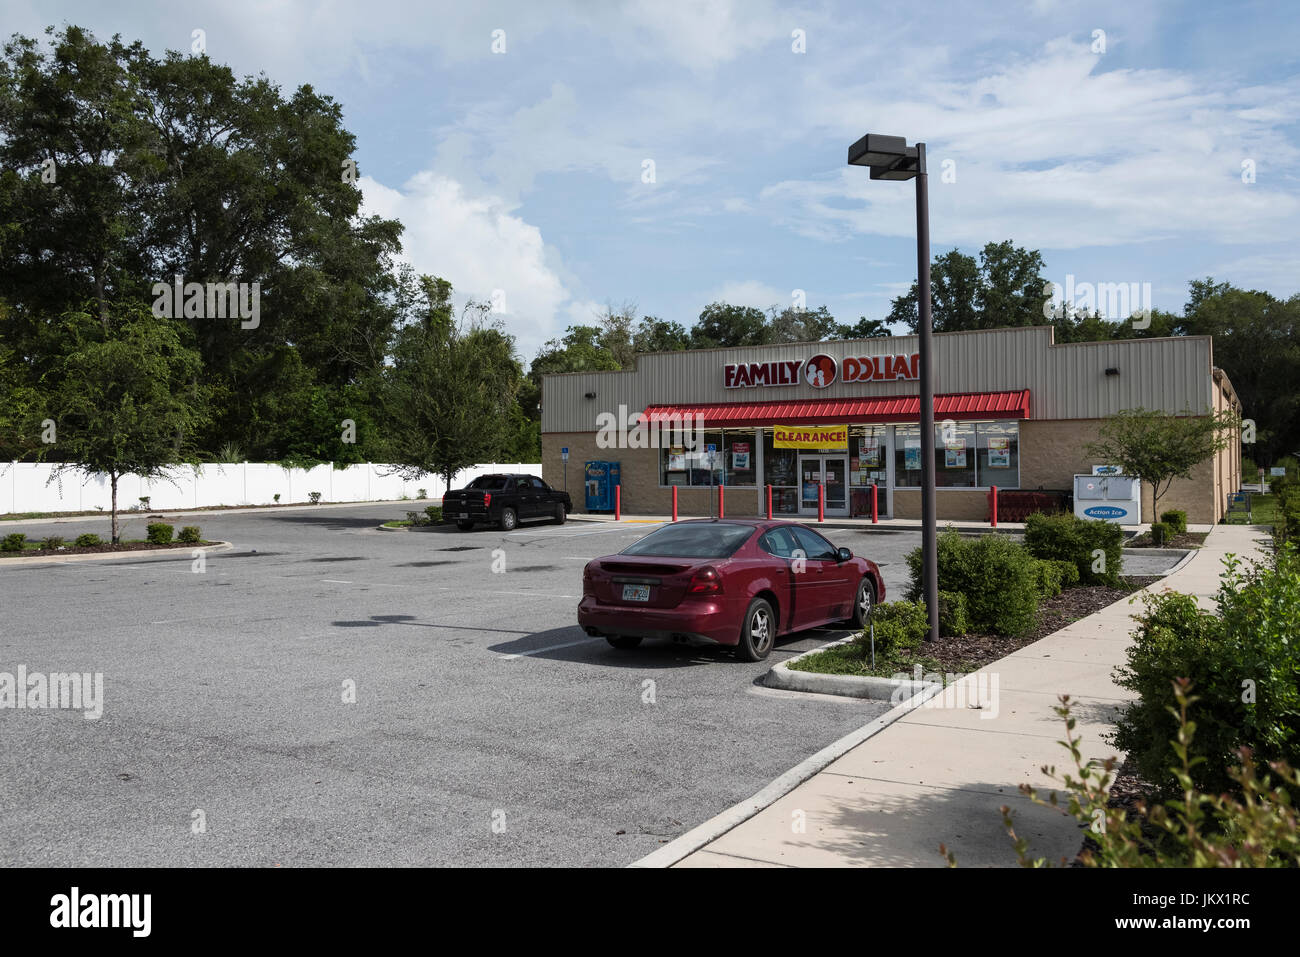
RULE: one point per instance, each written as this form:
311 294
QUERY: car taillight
588 581
487 499
706 581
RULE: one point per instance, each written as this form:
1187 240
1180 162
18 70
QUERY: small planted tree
1158 447
450 389
123 399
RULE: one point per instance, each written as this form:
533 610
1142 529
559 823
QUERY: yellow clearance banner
810 436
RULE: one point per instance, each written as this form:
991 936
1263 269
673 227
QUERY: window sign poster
954 454
676 458
740 455
999 452
871 454
912 455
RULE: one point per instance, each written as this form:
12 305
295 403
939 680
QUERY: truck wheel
625 642
508 520
463 525
560 513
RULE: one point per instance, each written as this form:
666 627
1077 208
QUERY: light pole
889 157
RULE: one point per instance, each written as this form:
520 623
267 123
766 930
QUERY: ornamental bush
1160 533
88 540
52 542
1244 661
13 543
159 533
898 625
190 535
1176 519
954 616
996 576
1095 548
435 514
1048 577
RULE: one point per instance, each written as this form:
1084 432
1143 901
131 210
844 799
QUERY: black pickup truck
505 500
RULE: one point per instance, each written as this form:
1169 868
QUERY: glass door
830 472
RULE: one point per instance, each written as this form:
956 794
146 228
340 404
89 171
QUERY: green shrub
898 625
435 514
1095 548
158 533
190 535
1048 577
1245 661
1176 519
1068 570
87 540
424 493
52 542
414 519
1160 533
314 497
996 576
954 616
13 543
1255 827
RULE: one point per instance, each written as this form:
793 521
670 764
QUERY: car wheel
864 603
626 642
560 513
463 525
508 520
758 633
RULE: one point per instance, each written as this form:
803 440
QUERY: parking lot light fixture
890 158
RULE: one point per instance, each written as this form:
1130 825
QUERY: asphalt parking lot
487 728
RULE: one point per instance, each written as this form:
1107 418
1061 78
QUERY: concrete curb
714 828
107 556
851 686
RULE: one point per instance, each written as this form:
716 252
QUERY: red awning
884 408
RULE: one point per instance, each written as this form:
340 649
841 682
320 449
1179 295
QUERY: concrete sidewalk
941 772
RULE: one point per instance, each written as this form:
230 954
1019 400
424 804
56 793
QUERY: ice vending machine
600 480
1108 498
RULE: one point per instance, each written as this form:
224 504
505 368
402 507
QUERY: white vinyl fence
26 486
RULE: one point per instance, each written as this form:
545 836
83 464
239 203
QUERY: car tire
757 632
508 520
463 525
560 513
624 642
864 602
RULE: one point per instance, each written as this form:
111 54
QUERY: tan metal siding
1064 381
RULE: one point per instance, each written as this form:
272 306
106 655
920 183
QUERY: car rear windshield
489 482
714 540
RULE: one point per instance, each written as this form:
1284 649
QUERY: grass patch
854 659
1263 511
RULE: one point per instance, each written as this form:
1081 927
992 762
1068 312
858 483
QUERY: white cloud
477 244
750 292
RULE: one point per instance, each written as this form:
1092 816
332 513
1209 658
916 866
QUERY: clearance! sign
810 436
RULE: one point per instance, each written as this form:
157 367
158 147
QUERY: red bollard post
995 506
875 515
618 502
722 500
821 501
769 502
674 503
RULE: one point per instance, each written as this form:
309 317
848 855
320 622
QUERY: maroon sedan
731 581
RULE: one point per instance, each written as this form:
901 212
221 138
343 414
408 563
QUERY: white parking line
335 581
598 531
540 651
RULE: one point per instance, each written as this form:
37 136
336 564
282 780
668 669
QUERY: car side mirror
843 555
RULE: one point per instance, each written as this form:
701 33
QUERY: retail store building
1013 409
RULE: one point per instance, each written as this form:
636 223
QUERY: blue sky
524 170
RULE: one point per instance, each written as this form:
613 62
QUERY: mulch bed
1126 791
93 549
1185 540
971 651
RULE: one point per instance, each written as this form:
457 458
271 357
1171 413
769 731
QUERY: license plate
636 592
463 515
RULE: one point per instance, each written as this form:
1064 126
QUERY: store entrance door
832 471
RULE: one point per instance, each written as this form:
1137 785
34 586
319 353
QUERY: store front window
966 455
734 461
780 470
